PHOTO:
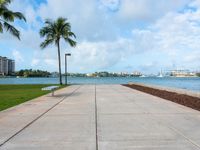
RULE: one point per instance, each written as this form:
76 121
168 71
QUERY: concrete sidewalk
102 117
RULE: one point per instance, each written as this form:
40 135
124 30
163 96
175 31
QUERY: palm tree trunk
59 61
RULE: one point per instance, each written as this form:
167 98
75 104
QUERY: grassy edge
33 97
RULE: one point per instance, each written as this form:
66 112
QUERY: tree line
32 73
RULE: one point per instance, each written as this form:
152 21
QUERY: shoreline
179 96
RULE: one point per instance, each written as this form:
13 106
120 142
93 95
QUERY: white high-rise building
7 66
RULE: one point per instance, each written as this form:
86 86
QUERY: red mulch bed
186 100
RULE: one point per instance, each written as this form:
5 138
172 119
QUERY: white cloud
195 3
193 58
35 62
17 56
98 55
51 62
149 67
148 10
179 32
112 5
89 22
109 38
175 36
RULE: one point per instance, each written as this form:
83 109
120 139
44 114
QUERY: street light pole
68 54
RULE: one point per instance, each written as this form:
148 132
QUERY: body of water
192 84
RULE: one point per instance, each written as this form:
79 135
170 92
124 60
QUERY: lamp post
67 54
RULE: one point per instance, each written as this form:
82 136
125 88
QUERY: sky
112 35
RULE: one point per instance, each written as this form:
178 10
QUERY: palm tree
7 16
53 32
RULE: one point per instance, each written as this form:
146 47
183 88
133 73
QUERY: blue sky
112 35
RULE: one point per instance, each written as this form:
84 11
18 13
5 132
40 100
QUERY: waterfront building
182 73
136 74
54 74
7 66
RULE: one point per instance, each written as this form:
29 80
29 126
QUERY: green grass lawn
11 95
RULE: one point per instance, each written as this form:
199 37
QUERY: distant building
7 66
54 74
89 74
182 73
136 74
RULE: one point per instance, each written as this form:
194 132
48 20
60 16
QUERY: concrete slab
70 125
129 119
14 119
125 119
147 145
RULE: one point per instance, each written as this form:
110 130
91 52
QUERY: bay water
192 84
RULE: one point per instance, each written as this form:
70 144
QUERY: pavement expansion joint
96 119
188 139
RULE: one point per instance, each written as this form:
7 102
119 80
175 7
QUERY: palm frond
48 22
61 20
19 15
10 15
62 24
12 30
46 43
1 28
44 31
71 42
5 2
7 16
71 34
55 30
66 27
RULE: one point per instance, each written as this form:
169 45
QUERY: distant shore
102 77
180 96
